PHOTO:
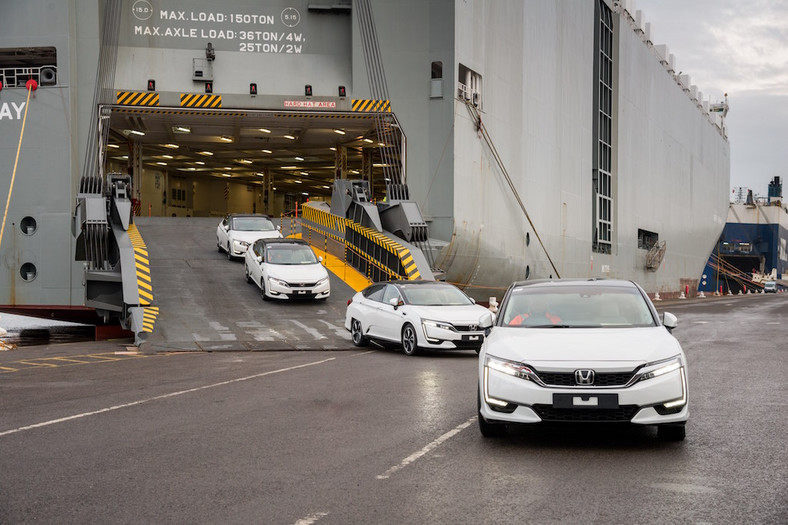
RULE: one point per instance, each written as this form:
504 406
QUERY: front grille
302 285
467 327
622 413
475 345
600 379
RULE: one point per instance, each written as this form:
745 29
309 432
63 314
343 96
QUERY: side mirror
486 322
260 259
395 302
472 300
669 321
320 258
278 227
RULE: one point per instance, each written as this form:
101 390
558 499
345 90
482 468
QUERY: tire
262 290
409 340
672 432
357 333
246 271
487 428
229 253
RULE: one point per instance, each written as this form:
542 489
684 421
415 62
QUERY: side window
390 293
258 248
375 292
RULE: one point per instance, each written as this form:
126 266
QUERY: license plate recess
585 401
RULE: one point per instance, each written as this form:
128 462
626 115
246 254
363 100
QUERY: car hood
252 236
572 347
303 273
464 314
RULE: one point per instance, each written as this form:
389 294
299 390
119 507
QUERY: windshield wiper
550 326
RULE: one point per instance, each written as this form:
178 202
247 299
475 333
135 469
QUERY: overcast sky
738 47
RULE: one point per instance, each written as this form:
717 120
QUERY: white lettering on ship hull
5 110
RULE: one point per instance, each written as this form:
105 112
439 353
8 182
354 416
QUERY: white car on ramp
237 231
286 269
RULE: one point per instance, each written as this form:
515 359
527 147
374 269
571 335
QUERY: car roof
400 282
544 283
239 215
285 241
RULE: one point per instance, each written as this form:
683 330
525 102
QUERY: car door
368 309
390 319
221 233
254 266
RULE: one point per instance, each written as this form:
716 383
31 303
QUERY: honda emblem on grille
584 377
472 327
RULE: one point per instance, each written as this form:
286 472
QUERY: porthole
28 225
528 238
527 271
28 272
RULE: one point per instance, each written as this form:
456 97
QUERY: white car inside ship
577 351
237 231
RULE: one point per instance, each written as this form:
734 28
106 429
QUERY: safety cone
656 297
682 296
701 295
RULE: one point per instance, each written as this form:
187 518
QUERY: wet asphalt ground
95 433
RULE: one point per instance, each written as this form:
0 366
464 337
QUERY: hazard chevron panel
371 106
194 100
136 98
144 283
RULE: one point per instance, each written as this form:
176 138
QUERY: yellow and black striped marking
183 111
194 100
404 255
335 223
137 98
150 313
144 283
371 106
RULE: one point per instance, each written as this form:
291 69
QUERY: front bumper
642 403
277 290
439 338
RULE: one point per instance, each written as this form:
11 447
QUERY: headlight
659 368
280 282
241 243
511 368
322 281
437 324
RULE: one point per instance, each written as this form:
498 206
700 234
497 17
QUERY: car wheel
229 253
672 432
487 428
409 340
357 334
262 289
246 271
219 246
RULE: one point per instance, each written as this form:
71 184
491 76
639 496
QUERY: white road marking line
427 449
364 353
311 518
157 398
311 331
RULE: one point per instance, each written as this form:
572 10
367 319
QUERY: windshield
290 254
580 306
253 224
434 295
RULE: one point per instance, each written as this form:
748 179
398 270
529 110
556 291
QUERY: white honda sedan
417 314
286 269
582 351
237 231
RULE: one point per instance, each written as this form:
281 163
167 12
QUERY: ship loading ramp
220 153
